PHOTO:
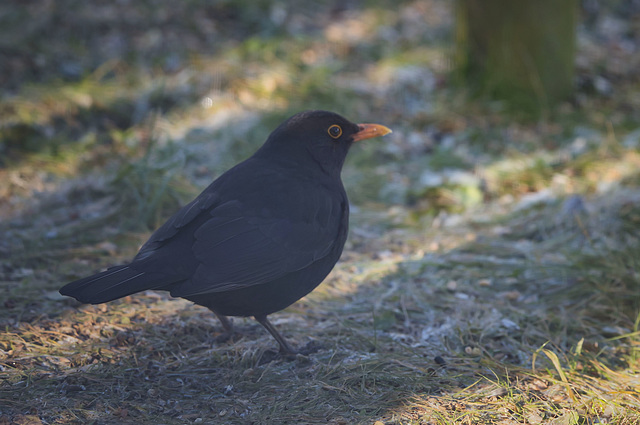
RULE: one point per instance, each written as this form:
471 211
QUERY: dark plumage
260 237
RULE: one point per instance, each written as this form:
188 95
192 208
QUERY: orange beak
367 131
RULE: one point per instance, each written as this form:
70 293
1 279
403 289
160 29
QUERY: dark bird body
260 237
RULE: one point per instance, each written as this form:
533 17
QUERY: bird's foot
292 354
225 336
310 348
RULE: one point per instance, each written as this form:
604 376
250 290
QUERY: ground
490 277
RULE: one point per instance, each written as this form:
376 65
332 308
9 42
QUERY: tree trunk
520 51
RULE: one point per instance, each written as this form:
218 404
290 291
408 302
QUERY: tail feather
114 283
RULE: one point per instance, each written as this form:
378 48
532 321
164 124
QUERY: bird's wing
189 215
243 245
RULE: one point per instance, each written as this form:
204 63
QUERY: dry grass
406 334
521 308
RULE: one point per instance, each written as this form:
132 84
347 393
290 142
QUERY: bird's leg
285 348
227 325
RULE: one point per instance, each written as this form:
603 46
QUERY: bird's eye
335 131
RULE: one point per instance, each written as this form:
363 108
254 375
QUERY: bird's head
320 136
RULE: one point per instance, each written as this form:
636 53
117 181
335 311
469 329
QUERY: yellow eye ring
335 131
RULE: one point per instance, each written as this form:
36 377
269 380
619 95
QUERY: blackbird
260 237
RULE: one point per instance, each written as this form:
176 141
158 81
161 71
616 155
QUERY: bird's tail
114 283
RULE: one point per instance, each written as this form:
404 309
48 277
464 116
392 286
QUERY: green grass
453 303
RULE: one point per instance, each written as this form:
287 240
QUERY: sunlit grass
449 306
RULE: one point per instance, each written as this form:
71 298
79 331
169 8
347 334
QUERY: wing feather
236 251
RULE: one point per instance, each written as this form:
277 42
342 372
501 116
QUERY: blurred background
486 101
502 214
